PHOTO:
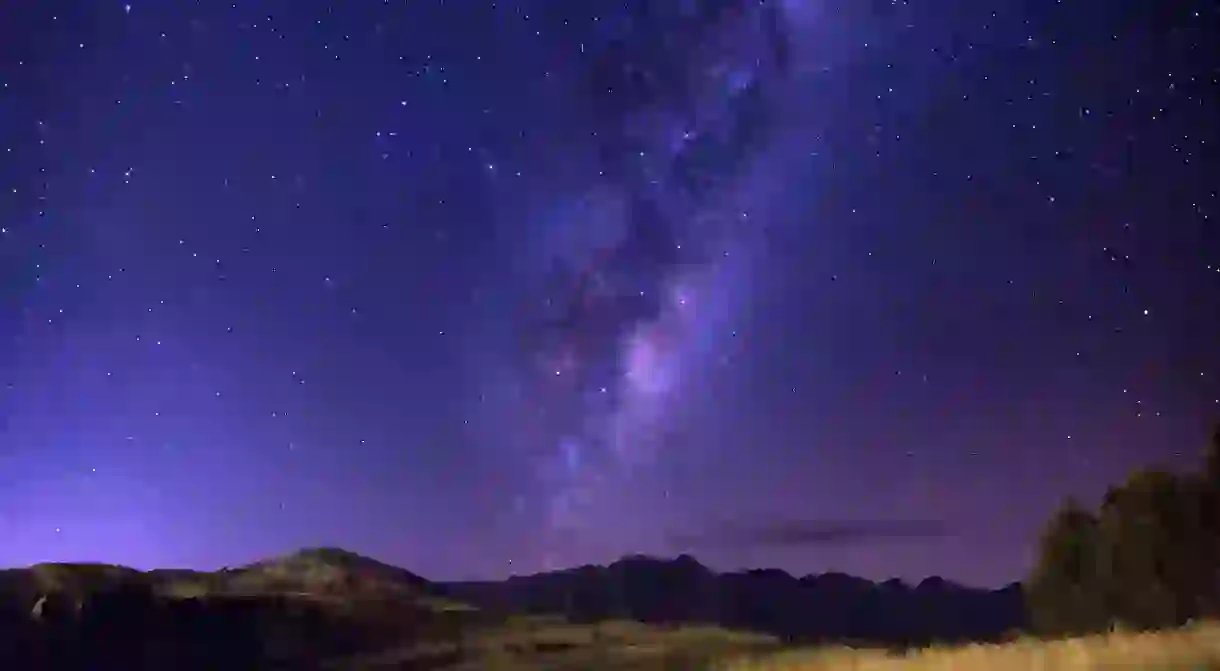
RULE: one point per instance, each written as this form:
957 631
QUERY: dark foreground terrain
326 608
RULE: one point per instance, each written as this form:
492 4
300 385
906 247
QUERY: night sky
482 288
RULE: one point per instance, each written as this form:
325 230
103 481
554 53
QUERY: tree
1210 520
1151 555
1061 595
1212 464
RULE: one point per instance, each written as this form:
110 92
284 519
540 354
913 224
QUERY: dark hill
330 571
287 612
830 606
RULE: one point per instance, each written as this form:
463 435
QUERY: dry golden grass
1194 648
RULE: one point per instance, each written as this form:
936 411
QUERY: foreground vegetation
551 644
1193 648
1147 558
625 646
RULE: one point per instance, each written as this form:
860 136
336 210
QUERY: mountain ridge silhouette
814 607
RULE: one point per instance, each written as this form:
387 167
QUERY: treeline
1147 558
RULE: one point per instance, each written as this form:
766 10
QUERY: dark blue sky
488 287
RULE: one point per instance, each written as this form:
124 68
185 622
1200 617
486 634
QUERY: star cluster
488 286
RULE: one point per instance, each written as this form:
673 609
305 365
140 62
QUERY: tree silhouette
1061 595
1147 559
1212 464
1150 554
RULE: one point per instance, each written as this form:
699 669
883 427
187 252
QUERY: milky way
681 111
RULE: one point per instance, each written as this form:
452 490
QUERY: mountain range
825 607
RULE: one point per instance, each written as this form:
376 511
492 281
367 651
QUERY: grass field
1194 648
550 644
625 646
